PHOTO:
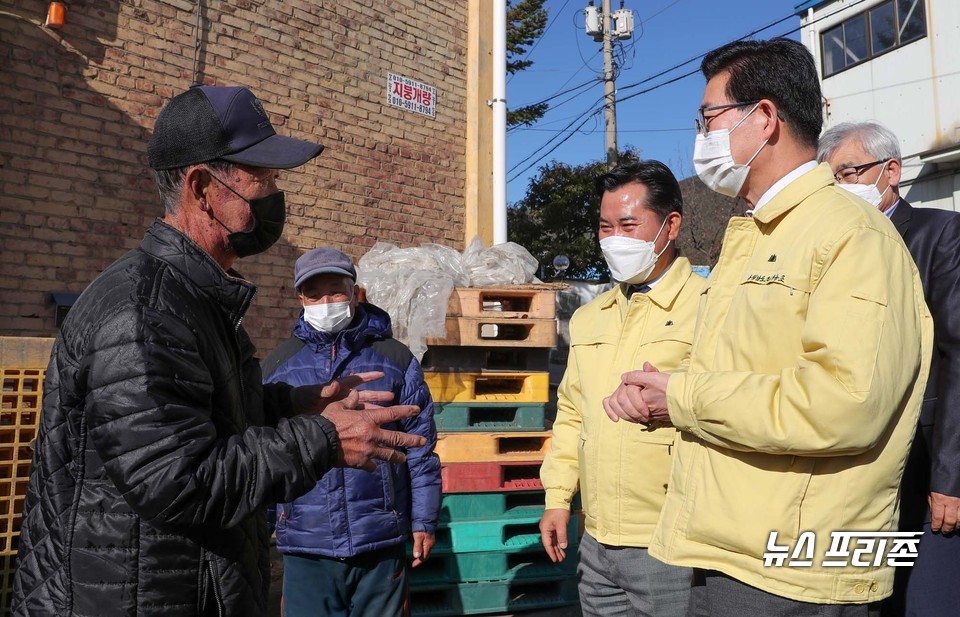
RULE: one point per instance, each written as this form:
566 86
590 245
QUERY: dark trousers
717 595
931 588
373 583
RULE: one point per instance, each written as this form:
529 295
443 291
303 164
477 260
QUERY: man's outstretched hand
357 419
361 438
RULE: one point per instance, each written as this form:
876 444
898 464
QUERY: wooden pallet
489 387
503 302
492 447
484 477
443 358
485 332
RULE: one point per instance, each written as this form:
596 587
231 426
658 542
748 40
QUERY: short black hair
663 190
780 70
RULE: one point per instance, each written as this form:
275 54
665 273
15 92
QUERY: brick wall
77 107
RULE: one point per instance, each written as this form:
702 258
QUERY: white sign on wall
411 95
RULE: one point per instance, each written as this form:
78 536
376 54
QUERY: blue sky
659 123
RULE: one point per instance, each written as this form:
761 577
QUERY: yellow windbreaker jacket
806 376
622 467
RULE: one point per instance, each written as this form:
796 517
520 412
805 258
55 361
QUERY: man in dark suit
865 158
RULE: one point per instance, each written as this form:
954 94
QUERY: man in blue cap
343 542
158 448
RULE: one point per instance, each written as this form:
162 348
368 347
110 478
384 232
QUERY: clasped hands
641 396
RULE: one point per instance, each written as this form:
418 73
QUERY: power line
592 112
560 143
561 93
587 113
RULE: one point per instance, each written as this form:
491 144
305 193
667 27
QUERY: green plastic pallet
457 417
460 507
493 597
495 535
491 566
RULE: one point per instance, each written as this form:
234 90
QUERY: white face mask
868 192
631 260
330 318
714 164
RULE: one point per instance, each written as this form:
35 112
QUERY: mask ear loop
662 225
878 180
735 126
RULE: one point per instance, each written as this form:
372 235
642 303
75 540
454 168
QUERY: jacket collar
369 323
191 262
794 193
665 291
901 216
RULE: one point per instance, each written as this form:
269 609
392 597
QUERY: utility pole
609 86
608 26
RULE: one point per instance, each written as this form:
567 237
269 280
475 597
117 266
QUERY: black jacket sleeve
148 412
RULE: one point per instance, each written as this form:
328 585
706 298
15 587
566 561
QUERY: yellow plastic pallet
485 332
492 387
510 302
492 447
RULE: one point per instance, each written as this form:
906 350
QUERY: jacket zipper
215 584
393 497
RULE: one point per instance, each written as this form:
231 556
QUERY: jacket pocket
784 294
587 463
739 498
855 358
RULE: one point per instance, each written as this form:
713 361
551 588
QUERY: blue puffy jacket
351 511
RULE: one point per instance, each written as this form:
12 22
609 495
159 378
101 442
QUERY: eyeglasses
850 175
702 121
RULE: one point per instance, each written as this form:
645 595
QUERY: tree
705 216
526 22
560 215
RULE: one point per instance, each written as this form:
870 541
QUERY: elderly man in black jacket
866 158
158 448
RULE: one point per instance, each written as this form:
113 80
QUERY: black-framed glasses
850 175
702 121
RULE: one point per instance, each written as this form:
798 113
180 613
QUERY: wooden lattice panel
19 417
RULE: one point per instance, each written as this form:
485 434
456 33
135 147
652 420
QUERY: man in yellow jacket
807 371
622 469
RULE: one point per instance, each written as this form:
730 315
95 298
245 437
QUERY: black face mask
268 216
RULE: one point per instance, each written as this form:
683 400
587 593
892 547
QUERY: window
876 31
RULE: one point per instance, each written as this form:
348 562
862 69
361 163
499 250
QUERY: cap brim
276 152
322 270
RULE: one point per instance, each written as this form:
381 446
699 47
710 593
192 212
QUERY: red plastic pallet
488 477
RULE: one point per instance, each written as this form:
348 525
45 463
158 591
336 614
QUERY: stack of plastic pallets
490 386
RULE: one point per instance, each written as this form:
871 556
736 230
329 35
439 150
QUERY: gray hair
170 183
876 139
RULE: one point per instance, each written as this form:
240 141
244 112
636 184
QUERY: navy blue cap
222 122
323 260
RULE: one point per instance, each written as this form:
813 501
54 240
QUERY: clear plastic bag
503 264
414 285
